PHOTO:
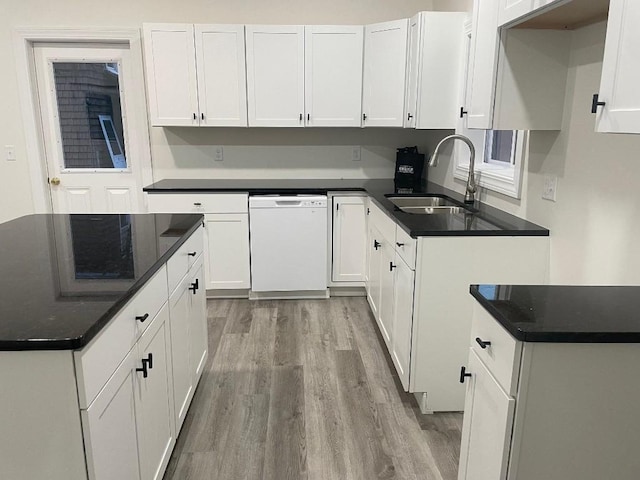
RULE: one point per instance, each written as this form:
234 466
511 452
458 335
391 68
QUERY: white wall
281 153
594 223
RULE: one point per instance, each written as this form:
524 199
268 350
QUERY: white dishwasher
288 243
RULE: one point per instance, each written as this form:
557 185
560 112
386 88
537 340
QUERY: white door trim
24 40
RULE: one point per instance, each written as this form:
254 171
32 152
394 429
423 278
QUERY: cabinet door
198 343
227 262
333 75
486 427
385 68
109 426
413 56
385 311
373 280
403 319
349 239
180 345
153 402
511 10
222 84
275 75
170 61
483 61
621 70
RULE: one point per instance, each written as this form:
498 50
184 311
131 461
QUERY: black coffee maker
409 168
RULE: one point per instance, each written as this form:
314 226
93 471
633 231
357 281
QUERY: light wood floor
304 390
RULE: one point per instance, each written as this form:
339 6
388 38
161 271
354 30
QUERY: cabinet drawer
198 202
97 361
385 225
179 264
502 356
406 247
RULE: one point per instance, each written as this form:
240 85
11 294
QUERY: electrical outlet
218 154
10 153
356 154
550 187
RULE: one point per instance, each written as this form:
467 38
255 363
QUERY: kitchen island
103 339
551 384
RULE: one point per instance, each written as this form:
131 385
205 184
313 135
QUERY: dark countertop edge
79 342
552 337
541 232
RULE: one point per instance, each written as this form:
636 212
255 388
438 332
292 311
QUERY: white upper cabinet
483 61
275 75
434 70
512 10
385 66
196 75
222 90
333 75
619 92
171 74
516 78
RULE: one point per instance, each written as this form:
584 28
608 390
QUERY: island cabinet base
110 410
553 411
39 407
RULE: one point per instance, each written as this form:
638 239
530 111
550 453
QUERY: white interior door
93 127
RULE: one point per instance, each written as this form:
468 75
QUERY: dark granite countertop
569 314
65 276
486 221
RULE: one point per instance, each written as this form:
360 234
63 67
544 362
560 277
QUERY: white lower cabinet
109 426
373 277
226 249
349 239
128 429
403 319
198 336
486 430
227 262
156 434
387 290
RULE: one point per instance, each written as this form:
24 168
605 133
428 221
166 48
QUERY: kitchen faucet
471 182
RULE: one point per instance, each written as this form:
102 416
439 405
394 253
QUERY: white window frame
496 176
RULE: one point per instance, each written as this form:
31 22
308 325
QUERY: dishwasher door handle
288 203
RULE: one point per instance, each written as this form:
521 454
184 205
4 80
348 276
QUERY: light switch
10 153
550 187
218 154
356 154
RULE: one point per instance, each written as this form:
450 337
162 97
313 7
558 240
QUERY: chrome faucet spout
469 196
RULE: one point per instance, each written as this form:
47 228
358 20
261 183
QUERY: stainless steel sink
427 205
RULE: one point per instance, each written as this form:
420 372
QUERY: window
499 159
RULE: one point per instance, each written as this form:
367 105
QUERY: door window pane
88 96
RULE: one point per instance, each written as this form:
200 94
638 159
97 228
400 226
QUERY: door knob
54 181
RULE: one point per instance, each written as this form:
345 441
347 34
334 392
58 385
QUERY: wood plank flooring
304 389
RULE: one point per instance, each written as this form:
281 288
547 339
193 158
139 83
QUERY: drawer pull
192 254
148 361
400 244
463 374
197 204
194 286
145 374
482 343
142 318
391 266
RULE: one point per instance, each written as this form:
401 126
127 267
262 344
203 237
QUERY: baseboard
239 293
295 295
347 292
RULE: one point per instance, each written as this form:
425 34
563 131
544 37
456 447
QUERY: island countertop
63 277
564 313
485 221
